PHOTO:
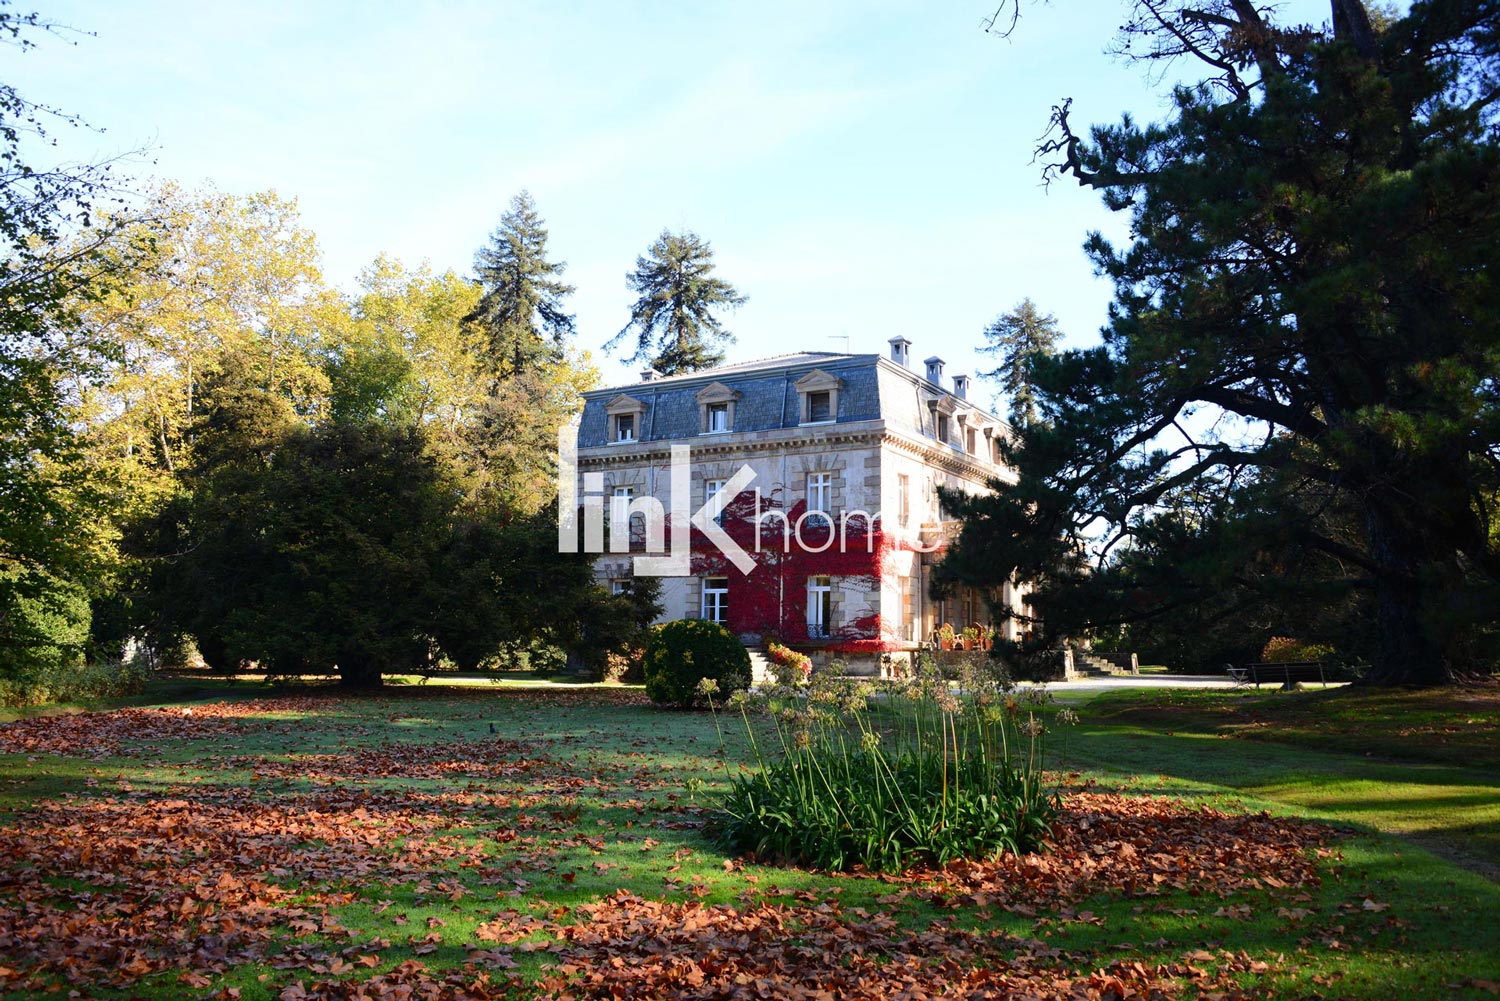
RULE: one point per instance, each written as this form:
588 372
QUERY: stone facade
842 515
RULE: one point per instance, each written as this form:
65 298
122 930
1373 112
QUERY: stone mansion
841 517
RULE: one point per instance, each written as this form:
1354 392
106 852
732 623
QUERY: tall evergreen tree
1018 337
1313 231
674 319
521 309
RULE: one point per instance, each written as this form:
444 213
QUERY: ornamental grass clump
915 775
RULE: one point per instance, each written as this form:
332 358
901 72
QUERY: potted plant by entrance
971 638
945 636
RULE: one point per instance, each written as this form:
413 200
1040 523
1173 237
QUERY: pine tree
674 319
1312 228
1017 337
521 309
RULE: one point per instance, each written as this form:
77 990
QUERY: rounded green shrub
44 624
1286 648
681 654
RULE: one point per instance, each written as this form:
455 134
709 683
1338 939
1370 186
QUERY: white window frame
622 423
619 586
625 494
626 408
711 489
714 603
718 418
819 607
716 398
903 499
820 494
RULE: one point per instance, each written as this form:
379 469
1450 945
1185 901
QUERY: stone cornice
820 436
946 457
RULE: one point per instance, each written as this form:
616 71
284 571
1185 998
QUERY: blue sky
860 169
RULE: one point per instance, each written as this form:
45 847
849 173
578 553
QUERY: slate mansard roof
871 387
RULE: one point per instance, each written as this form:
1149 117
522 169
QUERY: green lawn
505 840
1421 764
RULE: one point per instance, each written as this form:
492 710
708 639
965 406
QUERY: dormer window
818 393
819 407
943 408
716 405
626 415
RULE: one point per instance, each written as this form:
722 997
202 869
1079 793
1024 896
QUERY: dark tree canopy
675 319
1017 337
352 546
521 309
1304 333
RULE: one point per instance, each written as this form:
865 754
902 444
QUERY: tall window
619 511
718 417
909 608
972 438
819 605
819 407
716 599
903 499
711 489
625 427
820 495
942 427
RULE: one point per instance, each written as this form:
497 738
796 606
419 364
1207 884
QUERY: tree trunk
1406 652
359 675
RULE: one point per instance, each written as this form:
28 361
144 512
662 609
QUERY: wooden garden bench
1286 673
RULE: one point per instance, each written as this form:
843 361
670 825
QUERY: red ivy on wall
772 599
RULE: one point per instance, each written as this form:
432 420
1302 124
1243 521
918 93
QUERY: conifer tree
1018 337
1312 230
674 319
521 309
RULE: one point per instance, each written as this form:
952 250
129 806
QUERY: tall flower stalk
887 777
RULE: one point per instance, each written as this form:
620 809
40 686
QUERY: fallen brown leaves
627 947
197 885
94 735
1136 846
187 881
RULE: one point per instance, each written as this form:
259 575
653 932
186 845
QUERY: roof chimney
901 351
935 370
961 386
649 375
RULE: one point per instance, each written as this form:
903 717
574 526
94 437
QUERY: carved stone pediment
817 381
943 404
624 404
717 392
